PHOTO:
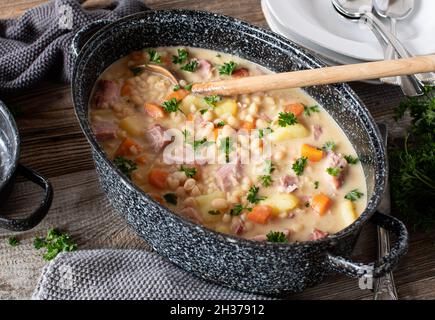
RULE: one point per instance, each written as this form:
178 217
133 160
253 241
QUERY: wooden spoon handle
310 77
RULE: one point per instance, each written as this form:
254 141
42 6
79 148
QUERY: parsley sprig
353 195
189 172
191 66
253 195
181 58
171 105
266 179
299 165
125 165
333 171
228 68
351 160
154 56
287 119
276 236
54 242
308 110
237 209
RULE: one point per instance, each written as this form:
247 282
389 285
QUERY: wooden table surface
53 144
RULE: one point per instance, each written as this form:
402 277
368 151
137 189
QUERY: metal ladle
361 10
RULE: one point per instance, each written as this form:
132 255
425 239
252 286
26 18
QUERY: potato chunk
203 203
281 202
291 132
226 106
347 213
134 125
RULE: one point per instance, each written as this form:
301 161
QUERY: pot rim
379 161
4 111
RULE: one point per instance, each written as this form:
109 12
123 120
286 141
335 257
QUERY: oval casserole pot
246 265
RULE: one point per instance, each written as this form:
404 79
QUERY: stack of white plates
315 25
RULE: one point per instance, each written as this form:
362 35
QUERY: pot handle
384 265
85 33
36 217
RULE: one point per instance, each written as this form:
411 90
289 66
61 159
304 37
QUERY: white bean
173 183
195 191
189 184
253 109
226 218
219 203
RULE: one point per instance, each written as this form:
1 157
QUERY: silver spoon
397 10
361 10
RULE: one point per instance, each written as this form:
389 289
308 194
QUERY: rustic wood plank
52 143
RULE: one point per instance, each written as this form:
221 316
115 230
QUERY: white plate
318 22
329 57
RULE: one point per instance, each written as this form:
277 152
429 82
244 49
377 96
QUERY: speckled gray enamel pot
242 264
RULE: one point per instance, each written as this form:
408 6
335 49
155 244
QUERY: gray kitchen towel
126 275
36 45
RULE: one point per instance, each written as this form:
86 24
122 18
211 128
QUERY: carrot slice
247 125
312 153
142 159
157 197
296 108
125 148
125 90
154 110
260 214
190 117
157 178
178 95
321 203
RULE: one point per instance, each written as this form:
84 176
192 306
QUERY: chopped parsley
136 70
177 87
55 242
154 56
266 180
181 58
172 105
125 165
226 146
353 195
220 124
351 160
309 110
212 100
299 166
260 134
191 66
188 87
333 171
185 134
202 111
201 143
287 119
228 68
171 198
329 146
189 172
13 241
316 184
214 212
276 236
238 209
253 195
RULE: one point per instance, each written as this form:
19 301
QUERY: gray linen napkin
126 275
36 45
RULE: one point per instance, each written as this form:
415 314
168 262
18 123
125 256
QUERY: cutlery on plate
361 10
395 10
384 287
310 77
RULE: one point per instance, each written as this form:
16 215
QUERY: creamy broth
308 188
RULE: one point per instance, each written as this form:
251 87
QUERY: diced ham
288 184
336 160
240 73
191 214
107 92
104 130
318 234
204 68
155 137
265 117
238 227
317 131
228 176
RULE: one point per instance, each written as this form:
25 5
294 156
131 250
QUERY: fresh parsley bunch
412 173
